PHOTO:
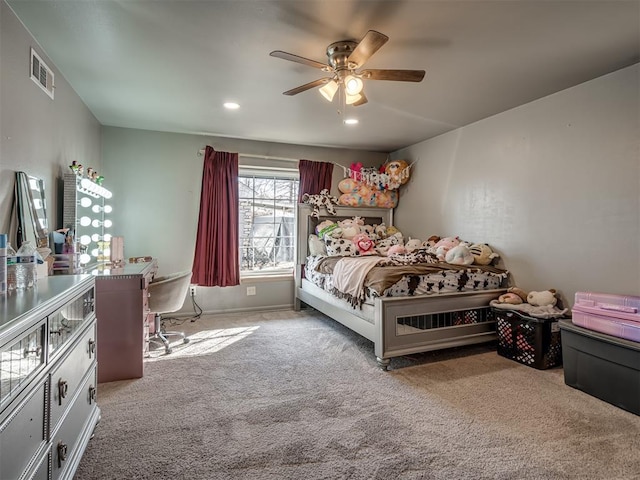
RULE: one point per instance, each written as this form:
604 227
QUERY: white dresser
48 378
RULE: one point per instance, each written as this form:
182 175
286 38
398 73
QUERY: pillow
316 246
340 247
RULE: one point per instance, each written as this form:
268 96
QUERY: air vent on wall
41 74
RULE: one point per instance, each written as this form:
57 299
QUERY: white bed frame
379 322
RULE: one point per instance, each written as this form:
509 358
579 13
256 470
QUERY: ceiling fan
346 58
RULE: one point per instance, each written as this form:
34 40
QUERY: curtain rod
253 155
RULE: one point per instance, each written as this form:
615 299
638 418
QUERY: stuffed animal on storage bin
543 298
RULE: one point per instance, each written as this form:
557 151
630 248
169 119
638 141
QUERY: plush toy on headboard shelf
323 199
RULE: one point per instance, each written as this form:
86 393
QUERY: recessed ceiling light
350 121
231 106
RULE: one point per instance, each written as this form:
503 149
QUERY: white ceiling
169 65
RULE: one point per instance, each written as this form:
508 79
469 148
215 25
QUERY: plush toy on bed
327 228
444 245
351 227
459 255
482 254
364 244
413 244
383 246
543 298
396 250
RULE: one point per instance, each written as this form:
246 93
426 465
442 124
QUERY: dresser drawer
66 378
20 361
42 470
23 432
65 323
70 440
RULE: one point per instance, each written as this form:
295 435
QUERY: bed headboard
307 224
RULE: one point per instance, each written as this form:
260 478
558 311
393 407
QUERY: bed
398 319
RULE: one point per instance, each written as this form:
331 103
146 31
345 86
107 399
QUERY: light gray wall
38 135
156 180
553 186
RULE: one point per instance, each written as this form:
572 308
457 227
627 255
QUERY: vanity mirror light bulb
107 252
95 237
85 221
85 258
95 252
96 208
108 223
96 223
107 237
85 202
85 239
107 209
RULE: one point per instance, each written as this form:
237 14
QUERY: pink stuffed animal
364 244
444 245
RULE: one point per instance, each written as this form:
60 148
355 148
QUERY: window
268 199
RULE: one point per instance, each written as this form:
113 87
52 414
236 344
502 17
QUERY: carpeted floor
294 395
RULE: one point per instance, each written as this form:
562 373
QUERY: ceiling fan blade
370 44
296 58
307 86
396 75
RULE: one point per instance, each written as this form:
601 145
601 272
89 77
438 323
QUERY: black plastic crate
535 342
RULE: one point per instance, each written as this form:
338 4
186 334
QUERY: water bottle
26 273
11 268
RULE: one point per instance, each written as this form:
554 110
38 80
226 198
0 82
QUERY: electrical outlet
251 290
192 290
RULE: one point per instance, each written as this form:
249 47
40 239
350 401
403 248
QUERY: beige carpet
294 395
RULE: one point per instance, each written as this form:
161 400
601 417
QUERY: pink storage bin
615 315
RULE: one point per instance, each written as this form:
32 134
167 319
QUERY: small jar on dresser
48 378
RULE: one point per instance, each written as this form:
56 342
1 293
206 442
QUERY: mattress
402 281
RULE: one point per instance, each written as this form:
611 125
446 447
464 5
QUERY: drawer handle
62 453
92 347
35 351
62 390
92 394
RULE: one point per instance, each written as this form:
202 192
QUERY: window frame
277 173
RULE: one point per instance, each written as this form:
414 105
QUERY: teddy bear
542 298
482 254
459 255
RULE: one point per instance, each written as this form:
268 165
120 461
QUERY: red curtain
216 256
314 177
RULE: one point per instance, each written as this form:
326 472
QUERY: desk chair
166 295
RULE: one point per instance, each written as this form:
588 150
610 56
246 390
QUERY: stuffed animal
396 249
380 231
350 226
328 228
459 255
323 199
482 254
510 298
364 244
518 291
542 298
412 244
444 245
432 240
383 246
357 193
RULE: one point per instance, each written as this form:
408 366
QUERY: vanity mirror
31 211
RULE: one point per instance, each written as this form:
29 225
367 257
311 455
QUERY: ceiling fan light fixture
351 99
329 90
353 85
